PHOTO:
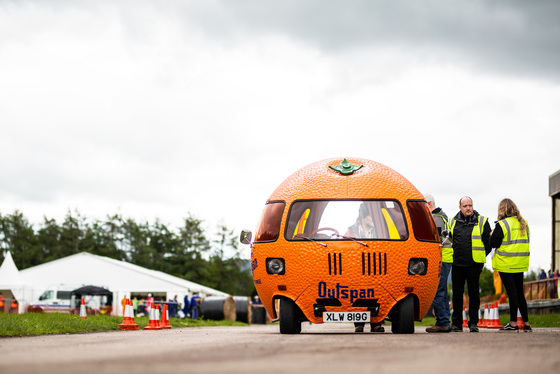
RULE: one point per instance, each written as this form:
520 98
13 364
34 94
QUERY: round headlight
417 266
275 266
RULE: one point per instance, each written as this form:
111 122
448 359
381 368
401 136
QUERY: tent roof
91 291
85 268
9 274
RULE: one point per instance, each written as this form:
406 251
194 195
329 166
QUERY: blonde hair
507 208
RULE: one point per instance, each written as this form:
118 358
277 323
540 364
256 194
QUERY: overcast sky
161 109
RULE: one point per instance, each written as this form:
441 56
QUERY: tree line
185 252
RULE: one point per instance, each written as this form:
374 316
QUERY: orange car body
339 273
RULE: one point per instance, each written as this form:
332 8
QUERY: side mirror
245 237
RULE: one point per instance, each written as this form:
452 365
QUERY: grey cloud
513 37
509 37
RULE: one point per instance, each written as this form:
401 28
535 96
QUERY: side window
47 295
64 295
422 221
268 229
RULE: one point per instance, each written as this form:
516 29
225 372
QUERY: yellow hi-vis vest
478 250
447 246
513 254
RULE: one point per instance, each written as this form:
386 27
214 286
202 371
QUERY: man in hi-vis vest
470 233
441 300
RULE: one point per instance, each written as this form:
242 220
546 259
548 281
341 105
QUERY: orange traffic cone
490 317
128 321
519 320
465 323
495 319
480 322
83 314
485 321
165 318
131 315
153 324
503 298
158 316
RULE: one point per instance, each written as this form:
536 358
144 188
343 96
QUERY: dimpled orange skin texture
307 262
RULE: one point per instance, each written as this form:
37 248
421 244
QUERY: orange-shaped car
346 240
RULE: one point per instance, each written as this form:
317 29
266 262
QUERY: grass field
547 320
30 324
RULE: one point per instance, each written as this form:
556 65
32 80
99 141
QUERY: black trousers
470 275
513 282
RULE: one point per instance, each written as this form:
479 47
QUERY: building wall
554 193
556 232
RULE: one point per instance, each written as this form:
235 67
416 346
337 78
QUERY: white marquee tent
11 285
121 278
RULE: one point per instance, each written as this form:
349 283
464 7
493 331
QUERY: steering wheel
335 231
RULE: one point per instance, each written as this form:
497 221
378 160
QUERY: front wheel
289 323
402 318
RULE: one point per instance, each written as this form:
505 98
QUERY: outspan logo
344 292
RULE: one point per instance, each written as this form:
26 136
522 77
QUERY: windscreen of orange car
338 220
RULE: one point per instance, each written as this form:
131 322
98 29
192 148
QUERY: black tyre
402 318
289 323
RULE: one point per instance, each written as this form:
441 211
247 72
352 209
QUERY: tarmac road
324 349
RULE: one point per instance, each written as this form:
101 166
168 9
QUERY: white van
56 298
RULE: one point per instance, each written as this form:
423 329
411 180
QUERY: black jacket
497 236
462 239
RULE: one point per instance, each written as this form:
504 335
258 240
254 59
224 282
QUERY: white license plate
331 317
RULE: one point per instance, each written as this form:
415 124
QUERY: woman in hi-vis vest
510 238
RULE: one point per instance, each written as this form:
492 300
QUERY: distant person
14 306
195 306
511 258
556 277
441 300
470 233
135 305
542 275
186 306
149 303
123 303
142 311
180 313
173 307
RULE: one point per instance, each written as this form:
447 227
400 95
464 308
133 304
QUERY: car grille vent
335 263
374 263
